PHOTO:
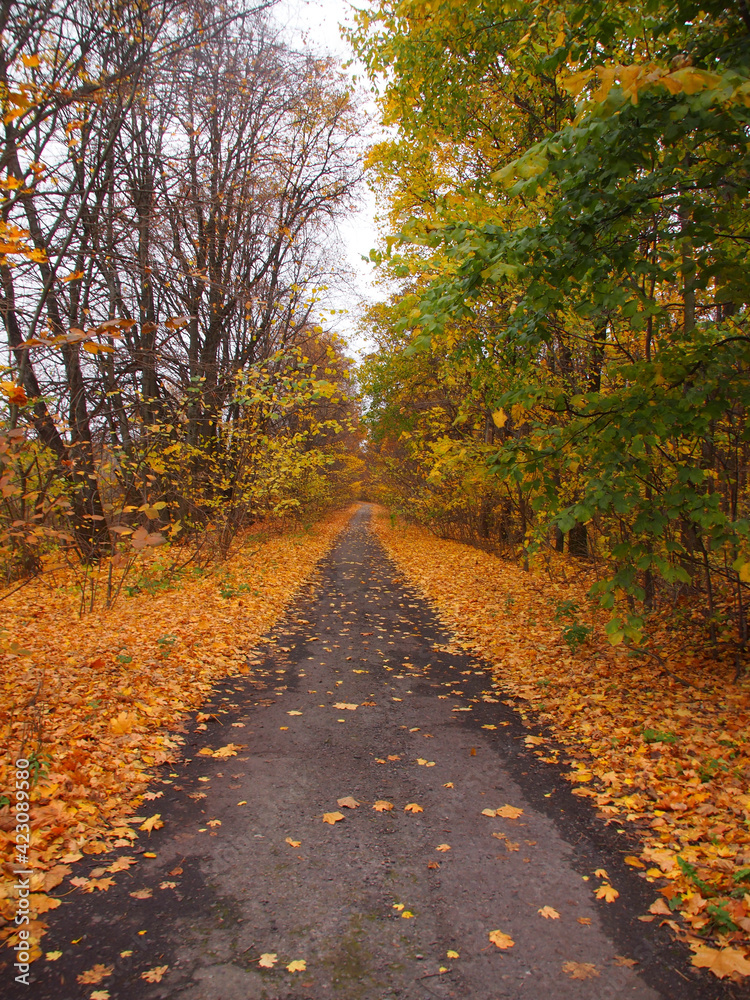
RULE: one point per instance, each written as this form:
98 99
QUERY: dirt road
359 695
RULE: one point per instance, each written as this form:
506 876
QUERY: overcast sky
315 24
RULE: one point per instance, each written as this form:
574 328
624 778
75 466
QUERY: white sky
315 24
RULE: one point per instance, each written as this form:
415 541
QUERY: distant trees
568 186
169 174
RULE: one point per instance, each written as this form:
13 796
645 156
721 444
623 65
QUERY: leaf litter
124 681
663 749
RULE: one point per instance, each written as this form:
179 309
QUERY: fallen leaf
633 861
549 913
142 894
268 960
167 885
509 812
580 970
584 921
154 975
344 704
152 823
120 865
451 954
660 908
412 807
52 956
607 893
294 713
347 803
292 843
501 940
298 965
150 796
100 995
95 975
443 847
407 914
627 963
394 756
433 864
489 812
382 806
601 873
448 784
721 962
333 817
214 822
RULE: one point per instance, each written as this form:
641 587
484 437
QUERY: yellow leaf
142 894
298 965
580 970
268 960
489 812
382 806
501 940
52 956
499 418
100 995
549 913
230 750
154 975
443 848
509 812
292 843
294 713
152 823
451 954
334 817
74 276
633 861
607 893
214 822
412 807
407 915
343 704
722 962
601 873
31 62
448 784
95 975
347 803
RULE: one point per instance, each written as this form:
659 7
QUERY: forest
555 385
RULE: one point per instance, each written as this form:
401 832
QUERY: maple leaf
633 861
152 823
214 822
292 843
154 975
100 995
382 806
394 756
489 812
501 940
230 750
52 956
102 884
433 864
509 812
347 803
298 965
549 913
142 894
150 796
332 817
451 954
625 962
412 807
607 893
721 962
268 960
95 975
407 915
443 848
448 784
601 873
294 713
580 970
345 705
584 921
167 885
425 763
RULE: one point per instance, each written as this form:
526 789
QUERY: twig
431 975
664 668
